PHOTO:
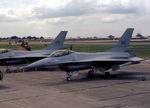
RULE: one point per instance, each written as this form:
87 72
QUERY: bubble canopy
61 53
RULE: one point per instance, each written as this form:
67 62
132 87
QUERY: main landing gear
107 75
91 73
1 75
7 69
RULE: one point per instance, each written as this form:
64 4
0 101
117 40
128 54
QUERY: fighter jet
112 59
13 57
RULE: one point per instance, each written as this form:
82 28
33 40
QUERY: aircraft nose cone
41 63
35 65
32 66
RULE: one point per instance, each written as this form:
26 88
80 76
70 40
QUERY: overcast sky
80 17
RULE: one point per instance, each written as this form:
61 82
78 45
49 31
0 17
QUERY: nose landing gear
70 74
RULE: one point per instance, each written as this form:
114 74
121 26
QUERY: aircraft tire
90 73
68 78
1 75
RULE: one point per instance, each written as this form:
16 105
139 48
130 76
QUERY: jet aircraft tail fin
124 41
58 43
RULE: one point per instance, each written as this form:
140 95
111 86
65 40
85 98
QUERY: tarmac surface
127 88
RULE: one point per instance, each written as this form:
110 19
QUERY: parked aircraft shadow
119 76
83 77
2 87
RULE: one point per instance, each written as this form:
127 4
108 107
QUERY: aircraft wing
97 60
101 60
29 58
26 56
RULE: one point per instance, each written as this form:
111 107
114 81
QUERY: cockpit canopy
60 53
3 51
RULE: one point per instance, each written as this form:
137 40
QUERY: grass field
140 50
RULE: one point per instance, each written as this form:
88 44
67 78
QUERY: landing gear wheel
90 73
68 78
107 74
1 75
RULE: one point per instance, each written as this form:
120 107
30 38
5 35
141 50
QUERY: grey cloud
131 7
125 10
122 10
81 8
4 18
74 8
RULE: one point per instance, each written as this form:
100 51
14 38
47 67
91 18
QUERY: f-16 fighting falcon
13 57
70 61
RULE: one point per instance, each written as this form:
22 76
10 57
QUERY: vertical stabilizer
124 41
58 43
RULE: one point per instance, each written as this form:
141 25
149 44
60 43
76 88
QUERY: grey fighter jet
70 61
13 57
